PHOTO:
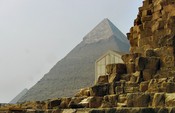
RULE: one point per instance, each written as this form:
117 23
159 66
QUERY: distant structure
110 57
19 96
76 70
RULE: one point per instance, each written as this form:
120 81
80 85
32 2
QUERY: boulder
119 90
64 103
149 53
83 92
144 86
99 90
170 99
152 63
122 98
74 103
140 63
112 99
169 87
130 68
102 79
158 100
53 103
113 77
127 58
148 74
138 99
116 68
95 102
131 89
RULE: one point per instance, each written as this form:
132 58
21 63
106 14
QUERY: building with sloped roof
110 57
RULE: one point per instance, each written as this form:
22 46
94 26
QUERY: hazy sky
35 34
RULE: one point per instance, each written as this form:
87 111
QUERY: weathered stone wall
154 30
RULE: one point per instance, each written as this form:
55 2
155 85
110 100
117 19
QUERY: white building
109 57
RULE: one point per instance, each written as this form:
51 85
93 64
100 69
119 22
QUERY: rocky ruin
145 83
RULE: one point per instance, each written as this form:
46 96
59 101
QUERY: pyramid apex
104 30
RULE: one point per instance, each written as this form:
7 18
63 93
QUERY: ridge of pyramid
104 30
19 96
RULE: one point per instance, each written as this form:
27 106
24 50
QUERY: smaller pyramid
19 96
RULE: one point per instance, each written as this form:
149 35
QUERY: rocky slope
76 70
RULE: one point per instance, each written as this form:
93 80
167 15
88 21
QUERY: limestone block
140 63
156 15
133 42
147 32
127 58
69 111
169 8
95 102
146 13
157 7
138 77
138 99
146 18
97 111
144 41
85 102
128 36
158 25
131 84
113 77
148 74
102 79
147 25
130 89
54 103
122 98
83 92
158 100
74 103
125 77
111 99
64 103
137 21
106 105
135 29
166 55
133 79
119 90
154 86
144 86
113 85
91 102
149 53
130 67
99 90
169 87
116 68
170 99
147 63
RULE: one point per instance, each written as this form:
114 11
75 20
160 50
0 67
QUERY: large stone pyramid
77 69
20 95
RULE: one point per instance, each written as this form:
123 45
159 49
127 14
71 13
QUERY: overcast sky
35 34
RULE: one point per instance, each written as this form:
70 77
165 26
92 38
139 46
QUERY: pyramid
77 69
20 95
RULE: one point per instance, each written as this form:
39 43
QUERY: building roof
110 51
